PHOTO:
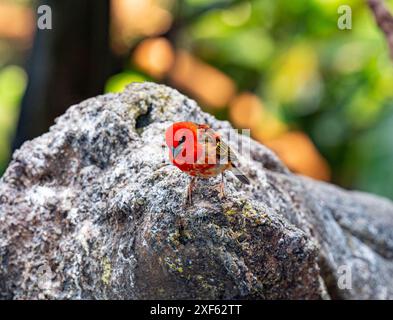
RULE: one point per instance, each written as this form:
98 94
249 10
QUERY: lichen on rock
95 203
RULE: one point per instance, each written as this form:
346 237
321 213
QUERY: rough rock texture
92 210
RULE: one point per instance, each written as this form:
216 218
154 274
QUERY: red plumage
199 151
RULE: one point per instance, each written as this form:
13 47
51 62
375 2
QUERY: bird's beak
176 151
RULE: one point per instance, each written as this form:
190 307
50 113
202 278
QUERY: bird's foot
221 190
187 199
188 196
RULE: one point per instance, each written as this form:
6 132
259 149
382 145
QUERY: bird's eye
183 138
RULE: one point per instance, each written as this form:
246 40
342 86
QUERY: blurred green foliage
336 85
118 82
12 85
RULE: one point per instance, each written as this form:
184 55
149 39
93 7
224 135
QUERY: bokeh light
206 83
155 57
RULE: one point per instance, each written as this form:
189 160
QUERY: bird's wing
223 152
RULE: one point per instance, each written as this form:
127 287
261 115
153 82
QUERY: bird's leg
221 187
189 190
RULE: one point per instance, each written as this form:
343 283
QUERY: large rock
92 210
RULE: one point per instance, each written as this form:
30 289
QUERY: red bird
199 151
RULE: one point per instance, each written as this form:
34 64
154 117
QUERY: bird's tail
240 175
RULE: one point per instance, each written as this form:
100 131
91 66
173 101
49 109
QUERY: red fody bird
199 151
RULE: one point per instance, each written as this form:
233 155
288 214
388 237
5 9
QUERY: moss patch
106 271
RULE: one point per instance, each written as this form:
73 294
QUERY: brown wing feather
224 153
223 150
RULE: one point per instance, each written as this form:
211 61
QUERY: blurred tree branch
384 20
67 64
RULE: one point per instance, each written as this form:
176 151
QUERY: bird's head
181 139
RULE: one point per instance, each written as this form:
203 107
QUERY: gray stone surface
92 210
